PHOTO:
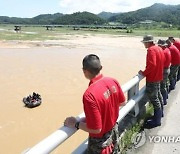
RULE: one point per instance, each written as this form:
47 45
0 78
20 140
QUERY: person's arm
83 126
73 123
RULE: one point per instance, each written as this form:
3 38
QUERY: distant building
114 23
146 22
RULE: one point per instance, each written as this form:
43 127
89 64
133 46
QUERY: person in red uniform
175 62
101 102
167 63
154 75
176 43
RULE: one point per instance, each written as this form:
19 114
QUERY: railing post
132 92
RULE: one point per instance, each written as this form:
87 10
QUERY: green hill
14 20
107 15
40 19
157 12
45 18
79 18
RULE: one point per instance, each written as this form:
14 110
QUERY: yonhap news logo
139 139
164 139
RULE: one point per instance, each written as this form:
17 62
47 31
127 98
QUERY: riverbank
39 32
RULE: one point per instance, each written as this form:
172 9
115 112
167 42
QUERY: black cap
162 42
148 38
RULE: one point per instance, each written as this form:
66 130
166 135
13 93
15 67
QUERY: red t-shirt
154 64
175 55
101 104
167 55
177 44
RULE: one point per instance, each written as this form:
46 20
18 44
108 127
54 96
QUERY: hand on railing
140 74
70 122
123 104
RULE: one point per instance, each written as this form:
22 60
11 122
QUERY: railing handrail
59 136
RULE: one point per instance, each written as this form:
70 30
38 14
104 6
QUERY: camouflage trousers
153 94
96 145
173 73
165 81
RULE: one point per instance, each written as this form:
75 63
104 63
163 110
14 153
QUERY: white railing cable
131 83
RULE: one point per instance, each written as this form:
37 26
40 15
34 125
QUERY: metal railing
59 136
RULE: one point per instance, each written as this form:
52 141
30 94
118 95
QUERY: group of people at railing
103 97
162 72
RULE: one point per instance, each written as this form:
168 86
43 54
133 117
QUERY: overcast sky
31 8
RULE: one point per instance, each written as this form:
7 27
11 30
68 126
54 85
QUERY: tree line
158 12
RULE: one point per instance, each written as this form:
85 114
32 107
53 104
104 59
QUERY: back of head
92 64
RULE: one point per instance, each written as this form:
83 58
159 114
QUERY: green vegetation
79 18
107 15
45 19
126 138
169 14
32 32
36 33
158 32
159 20
158 12
84 18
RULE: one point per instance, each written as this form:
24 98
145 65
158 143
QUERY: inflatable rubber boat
32 101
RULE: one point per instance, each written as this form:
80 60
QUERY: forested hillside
157 12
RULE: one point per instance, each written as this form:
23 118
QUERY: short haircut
92 64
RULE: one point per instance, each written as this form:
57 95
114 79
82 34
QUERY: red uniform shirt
101 104
167 55
175 55
177 44
154 64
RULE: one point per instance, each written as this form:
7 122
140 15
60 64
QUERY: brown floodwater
56 74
